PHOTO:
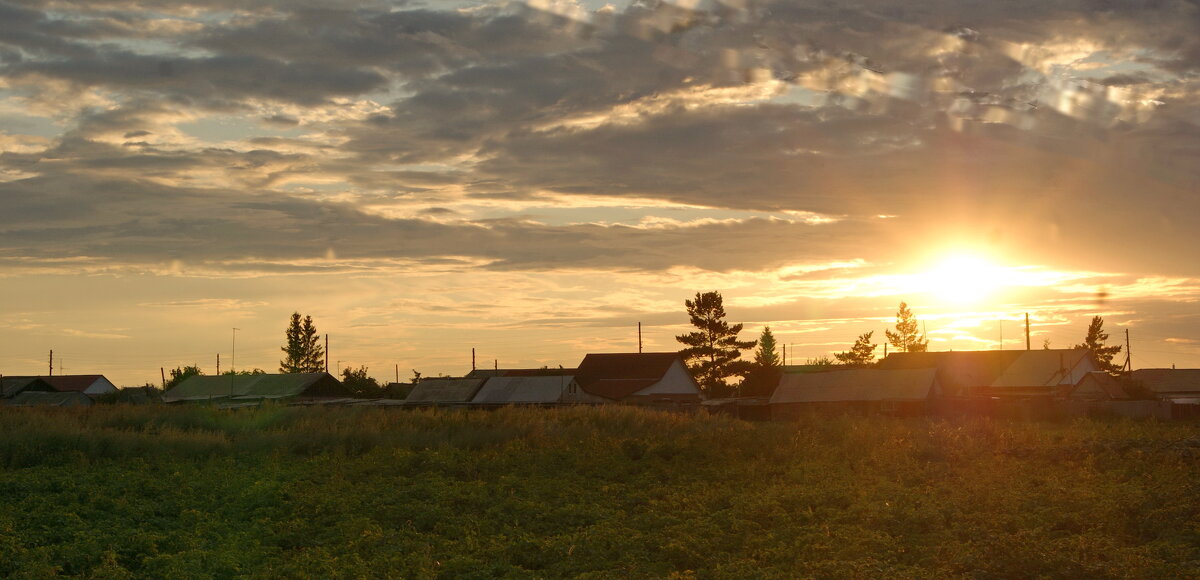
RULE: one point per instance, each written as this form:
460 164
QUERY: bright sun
962 279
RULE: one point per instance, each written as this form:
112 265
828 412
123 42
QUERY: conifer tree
906 338
713 350
303 351
1095 340
766 355
863 351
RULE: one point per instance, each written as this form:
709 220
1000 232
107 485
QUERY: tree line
713 352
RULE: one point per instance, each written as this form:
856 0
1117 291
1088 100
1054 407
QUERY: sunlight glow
962 279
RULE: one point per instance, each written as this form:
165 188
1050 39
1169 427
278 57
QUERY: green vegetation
180 492
1095 340
906 338
862 353
713 351
302 349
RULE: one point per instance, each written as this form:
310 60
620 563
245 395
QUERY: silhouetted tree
863 351
245 372
357 381
303 351
906 338
766 355
180 374
766 370
821 361
713 350
1095 340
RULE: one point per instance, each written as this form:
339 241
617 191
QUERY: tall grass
605 492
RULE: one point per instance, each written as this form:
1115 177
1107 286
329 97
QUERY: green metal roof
279 386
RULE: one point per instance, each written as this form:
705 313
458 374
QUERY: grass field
119 492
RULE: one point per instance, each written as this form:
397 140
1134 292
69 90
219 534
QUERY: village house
638 378
253 389
90 385
49 399
901 392
442 391
1181 386
11 386
532 390
1041 373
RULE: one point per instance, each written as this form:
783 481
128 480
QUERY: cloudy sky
532 179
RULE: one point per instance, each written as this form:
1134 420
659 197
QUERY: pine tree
905 338
766 356
303 350
863 351
1095 340
713 350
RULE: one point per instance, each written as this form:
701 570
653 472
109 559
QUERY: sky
533 179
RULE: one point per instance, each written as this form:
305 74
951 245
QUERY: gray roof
255 387
10 386
1169 380
44 399
856 385
444 391
528 390
1041 368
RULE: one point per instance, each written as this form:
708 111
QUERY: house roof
957 370
10 386
1099 382
502 390
546 372
274 386
619 375
1041 368
1169 380
68 383
439 390
856 385
49 399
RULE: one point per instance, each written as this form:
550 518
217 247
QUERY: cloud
97 335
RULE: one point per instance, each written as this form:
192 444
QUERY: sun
963 279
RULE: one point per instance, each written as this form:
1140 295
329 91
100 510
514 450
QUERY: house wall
676 381
1080 370
1088 390
100 387
574 394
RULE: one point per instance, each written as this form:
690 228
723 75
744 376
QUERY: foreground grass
113 492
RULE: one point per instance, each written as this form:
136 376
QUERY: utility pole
218 363
1129 355
326 352
496 364
397 372
472 358
639 338
163 373
51 362
785 355
233 363
1026 331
